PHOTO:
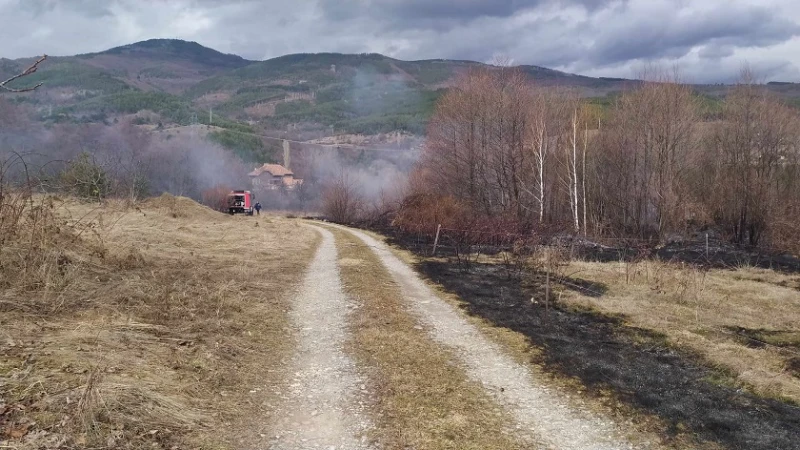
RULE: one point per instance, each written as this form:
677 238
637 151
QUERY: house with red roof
274 177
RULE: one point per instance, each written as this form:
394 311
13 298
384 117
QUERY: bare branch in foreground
27 71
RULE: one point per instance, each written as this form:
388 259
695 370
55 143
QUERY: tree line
501 149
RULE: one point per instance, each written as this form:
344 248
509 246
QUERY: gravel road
322 409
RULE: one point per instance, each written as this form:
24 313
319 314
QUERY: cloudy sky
709 40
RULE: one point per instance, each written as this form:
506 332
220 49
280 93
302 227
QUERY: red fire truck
240 202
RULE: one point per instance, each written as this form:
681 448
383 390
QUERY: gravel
321 409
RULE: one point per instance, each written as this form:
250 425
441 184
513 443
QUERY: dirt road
323 411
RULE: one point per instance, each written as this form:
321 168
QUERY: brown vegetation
502 147
141 327
216 197
513 172
341 200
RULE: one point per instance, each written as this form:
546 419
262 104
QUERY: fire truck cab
240 202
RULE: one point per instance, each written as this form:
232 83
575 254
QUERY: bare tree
544 125
478 143
538 127
648 144
341 201
754 154
583 174
573 171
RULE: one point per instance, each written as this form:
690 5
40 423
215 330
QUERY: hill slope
179 80
325 92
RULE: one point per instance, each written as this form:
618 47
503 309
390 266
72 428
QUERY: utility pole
193 125
286 154
210 116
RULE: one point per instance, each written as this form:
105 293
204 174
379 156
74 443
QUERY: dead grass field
744 321
158 326
423 398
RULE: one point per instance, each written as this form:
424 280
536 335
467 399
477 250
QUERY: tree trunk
574 174
585 144
541 159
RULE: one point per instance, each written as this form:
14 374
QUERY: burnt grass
719 256
636 364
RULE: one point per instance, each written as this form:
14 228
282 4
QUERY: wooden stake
436 241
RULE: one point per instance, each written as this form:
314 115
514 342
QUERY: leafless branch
27 71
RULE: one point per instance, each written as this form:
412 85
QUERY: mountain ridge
173 81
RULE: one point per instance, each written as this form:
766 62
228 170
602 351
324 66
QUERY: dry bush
547 273
421 214
381 211
84 177
521 258
37 249
217 197
785 231
341 201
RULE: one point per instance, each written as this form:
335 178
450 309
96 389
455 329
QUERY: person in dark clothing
258 208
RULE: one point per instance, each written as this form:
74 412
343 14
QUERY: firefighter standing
258 208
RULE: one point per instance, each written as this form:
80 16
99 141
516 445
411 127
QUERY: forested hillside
328 93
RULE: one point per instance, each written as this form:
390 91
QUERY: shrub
341 201
86 179
217 197
421 213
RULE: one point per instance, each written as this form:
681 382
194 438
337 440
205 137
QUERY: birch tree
539 145
572 170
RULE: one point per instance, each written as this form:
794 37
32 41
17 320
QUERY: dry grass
161 326
724 315
425 400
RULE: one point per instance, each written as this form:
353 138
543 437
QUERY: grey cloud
441 14
728 71
674 37
443 9
90 8
713 51
586 36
